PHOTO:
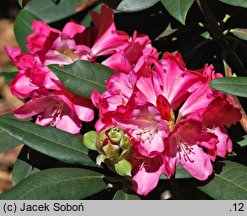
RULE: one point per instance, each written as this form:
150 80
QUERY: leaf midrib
78 77
60 182
44 138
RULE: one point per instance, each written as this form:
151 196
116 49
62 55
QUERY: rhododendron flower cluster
171 116
53 104
168 112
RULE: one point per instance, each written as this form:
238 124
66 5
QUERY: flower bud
114 146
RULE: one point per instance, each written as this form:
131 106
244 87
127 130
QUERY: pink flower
145 110
49 100
59 108
31 76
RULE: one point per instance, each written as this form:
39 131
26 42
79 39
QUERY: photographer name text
44 207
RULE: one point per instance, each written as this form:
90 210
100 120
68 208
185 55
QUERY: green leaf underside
231 183
137 5
231 85
22 170
82 77
48 140
243 142
178 8
57 184
7 142
49 11
23 27
240 3
240 33
120 195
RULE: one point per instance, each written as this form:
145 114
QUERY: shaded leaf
130 5
243 142
7 141
240 33
8 77
240 3
89 139
82 77
231 85
51 11
231 183
120 195
23 27
178 8
20 2
48 140
21 170
181 173
57 183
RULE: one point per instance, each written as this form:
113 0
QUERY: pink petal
198 164
69 121
218 109
83 108
72 29
148 174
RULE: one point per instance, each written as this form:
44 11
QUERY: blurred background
8 12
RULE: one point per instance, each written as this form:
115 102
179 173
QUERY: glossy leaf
57 184
231 183
23 27
231 85
178 8
240 3
47 140
181 173
82 77
22 170
240 33
243 142
121 195
51 11
89 139
7 141
130 5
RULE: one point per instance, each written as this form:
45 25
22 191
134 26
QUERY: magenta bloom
47 98
144 103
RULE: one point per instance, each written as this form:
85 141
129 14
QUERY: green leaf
178 8
240 3
243 142
240 33
89 139
50 11
120 195
22 170
23 27
82 77
123 167
231 183
20 2
180 173
231 85
7 142
8 73
57 184
86 21
130 5
48 140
